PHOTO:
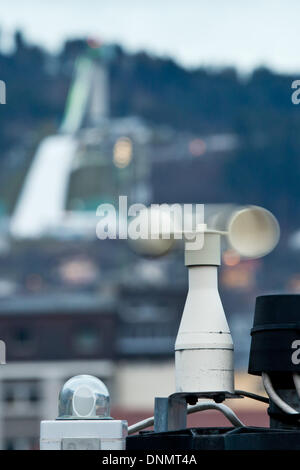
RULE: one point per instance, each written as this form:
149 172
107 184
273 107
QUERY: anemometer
203 358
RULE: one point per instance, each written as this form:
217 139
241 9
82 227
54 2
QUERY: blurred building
50 338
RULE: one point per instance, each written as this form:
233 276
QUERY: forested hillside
266 167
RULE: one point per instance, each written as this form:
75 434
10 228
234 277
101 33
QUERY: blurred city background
107 118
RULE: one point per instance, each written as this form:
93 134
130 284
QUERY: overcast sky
244 33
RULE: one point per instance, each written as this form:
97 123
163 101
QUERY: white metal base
83 435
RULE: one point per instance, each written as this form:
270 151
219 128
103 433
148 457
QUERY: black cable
253 396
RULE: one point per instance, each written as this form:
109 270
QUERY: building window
24 340
87 340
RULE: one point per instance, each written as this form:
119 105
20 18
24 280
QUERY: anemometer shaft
204 348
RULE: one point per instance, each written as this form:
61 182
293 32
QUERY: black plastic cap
275 335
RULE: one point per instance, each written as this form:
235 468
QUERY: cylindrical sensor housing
275 345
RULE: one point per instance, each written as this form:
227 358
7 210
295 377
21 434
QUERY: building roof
74 303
